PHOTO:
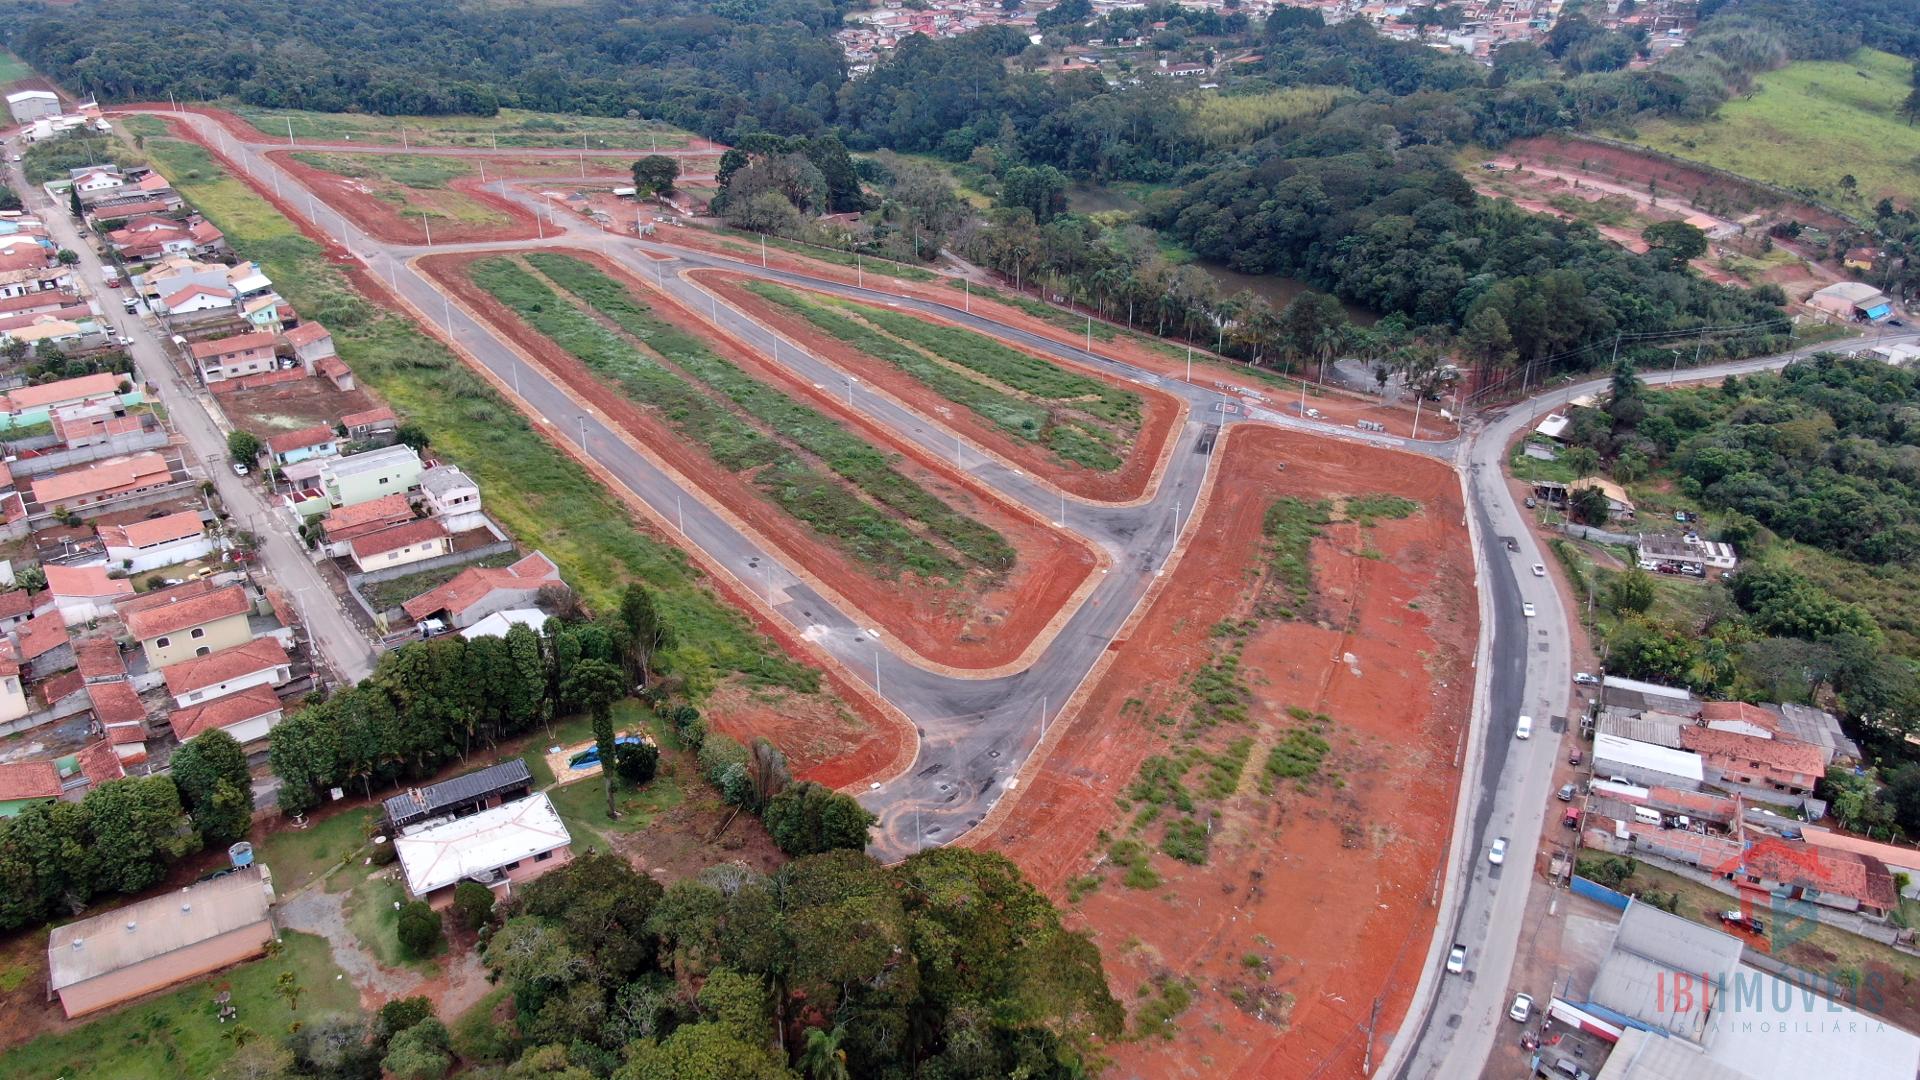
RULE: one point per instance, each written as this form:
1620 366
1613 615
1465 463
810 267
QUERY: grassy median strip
542 496
847 454
807 492
1081 420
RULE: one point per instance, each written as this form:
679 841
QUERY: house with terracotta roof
70 776
348 522
16 607
33 279
293 447
196 299
311 344
233 357
43 644
370 423
99 659
260 662
479 591
175 626
101 481
85 593
402 545
156 542
335 371
1764 766
93 422
247 716
123 719
1831 877
25 406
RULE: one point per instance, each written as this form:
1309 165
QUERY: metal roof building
462 794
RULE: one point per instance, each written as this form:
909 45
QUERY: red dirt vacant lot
1314 898
966 625
385 221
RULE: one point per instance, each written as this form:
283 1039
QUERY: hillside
1808 125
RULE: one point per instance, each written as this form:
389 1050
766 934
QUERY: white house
516 841
452 498
247 716
260 662
197 298
84 593
151 544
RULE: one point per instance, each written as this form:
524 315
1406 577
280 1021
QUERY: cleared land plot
1091 436
402 198
271 410
509 128
1809 125
900 537
1248 820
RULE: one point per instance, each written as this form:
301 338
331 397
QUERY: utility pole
1418 400
583 431
1189 363
427 223
289 131
446 309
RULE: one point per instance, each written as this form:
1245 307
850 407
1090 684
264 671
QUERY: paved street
344 648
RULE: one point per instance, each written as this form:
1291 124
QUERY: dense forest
718 68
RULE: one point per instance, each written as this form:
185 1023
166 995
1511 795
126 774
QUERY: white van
1523 729
1646 815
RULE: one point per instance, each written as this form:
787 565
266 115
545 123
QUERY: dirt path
315 911
1312 903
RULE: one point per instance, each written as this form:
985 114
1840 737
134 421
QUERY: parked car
1527 610
1571 819
1457 960
1574 758
1539 570
240 468
1583 678
1522 1008
1565 794
1497 854
1532 502
1523 727
1742 921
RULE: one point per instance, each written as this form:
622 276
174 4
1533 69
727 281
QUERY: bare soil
1315 900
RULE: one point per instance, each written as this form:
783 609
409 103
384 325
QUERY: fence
1599 536
1593 890
129 443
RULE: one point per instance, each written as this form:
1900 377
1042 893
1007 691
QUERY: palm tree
823 1059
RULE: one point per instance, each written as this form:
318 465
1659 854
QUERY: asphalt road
339 642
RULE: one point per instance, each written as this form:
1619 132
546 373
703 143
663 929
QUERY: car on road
1457 960
1523 727
1512 544
1527 610
1582 678
1522 1007
1497 854
1565 794
240 468
1571 819
1539 570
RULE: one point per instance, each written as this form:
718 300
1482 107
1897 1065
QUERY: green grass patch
518 128
178 1036
298 856
808 492
1367 509
1219 695
12 68
478 1036
1136 860
1807 126
374 920
141 125
1297 756
536 491
51 159
1082 421
833 256
1166 998
1186 839
14 976
583 805
1525 466
1290 527
407 170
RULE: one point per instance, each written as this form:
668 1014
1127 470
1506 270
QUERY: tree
636 762
1590 505
1910 108
419 1052
31 578
73 203
1041 191
1582 460
823 1059
472 904
137 827
244 446
1486 337
419 930
595 685
67 257
9 200
647 633
807 819
398 1015
413 435
334 1047
1672 244
210 771
1630 593
287 985
655 173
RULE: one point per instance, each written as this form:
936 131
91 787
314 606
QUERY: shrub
420 932
635 762
806 819
472 904
398 1015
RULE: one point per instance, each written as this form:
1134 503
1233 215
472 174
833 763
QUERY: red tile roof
99 658
191 291
227 346
15 602
224 712
380 513
288 441
1732 747
413 532
60 687
85 581
472 585
149 623
106 477
54 393
332 367
116 703
99 764
305 334
1845 873
153 531
370 416
42 634
170 594
29 780
126 734
199 673
1740 710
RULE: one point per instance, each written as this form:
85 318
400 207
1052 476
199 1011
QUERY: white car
1584 679
1457 960
1527 610
1522 1007
240 468
1497 854
1539 569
